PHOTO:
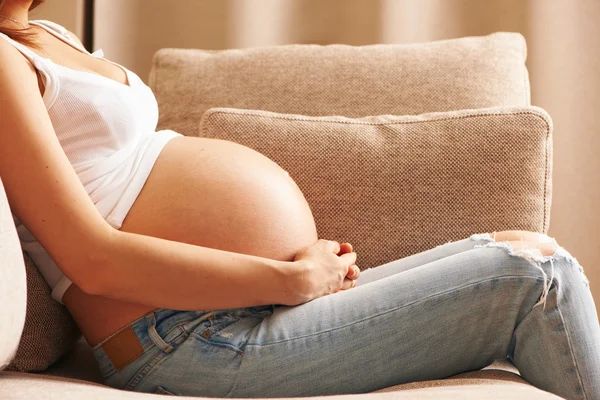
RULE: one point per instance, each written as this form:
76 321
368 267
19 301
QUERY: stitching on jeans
397 308
218 344
145 369
562 320
556 285
155 361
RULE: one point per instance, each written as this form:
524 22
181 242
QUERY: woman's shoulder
10 49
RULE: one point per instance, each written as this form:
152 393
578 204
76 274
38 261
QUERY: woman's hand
323 268
353 271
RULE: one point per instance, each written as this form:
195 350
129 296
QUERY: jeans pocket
166 342
232 327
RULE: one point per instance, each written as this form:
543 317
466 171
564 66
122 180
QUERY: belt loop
158 341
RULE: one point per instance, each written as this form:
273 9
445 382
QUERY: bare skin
182 201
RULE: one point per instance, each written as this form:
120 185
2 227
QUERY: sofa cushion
488 383
354 81
12 284
397 185
49 333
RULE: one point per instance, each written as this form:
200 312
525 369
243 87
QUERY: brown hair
22 36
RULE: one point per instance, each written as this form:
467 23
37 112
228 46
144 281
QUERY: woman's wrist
290 282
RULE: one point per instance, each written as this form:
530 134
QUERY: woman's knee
522 254
546 258
519 235
545 249
546 261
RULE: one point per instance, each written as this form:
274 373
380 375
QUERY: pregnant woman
193 266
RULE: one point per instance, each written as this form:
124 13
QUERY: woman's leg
454 314
445 250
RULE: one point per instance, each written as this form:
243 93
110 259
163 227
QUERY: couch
446 107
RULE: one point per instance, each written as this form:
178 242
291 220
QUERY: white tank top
108 132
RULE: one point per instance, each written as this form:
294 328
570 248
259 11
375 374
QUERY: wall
68 13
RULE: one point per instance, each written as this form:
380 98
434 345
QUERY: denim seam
173 342
135 381
155 361
570 345
396 309
197 336
235 380
562 320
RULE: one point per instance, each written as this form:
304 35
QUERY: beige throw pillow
354 81
50 332
397 185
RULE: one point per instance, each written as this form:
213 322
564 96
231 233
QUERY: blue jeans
447 310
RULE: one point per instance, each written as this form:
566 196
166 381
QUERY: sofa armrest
12 284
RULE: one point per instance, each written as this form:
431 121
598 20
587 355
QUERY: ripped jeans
451 309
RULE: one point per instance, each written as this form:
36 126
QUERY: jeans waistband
131 341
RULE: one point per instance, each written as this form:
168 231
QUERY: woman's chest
92 112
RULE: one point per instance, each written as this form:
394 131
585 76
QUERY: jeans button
206 334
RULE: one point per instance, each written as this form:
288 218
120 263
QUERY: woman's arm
46 195
177 275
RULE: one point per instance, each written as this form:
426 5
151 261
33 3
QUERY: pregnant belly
223 195
212 193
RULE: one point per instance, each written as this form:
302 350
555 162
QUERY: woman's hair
21 35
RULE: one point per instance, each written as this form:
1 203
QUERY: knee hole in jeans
534 256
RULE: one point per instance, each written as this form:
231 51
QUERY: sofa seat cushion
488 383
398 185
354 81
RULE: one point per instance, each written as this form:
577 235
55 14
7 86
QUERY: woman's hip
175 346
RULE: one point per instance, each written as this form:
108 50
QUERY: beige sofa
458 102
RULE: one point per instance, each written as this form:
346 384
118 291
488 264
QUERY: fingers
331 245
335 247
347 260
353 272
345 248
348 284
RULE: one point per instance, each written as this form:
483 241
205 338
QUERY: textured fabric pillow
12 284
354 81
397 185
50 332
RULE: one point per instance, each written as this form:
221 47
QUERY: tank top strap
61 30
48 74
